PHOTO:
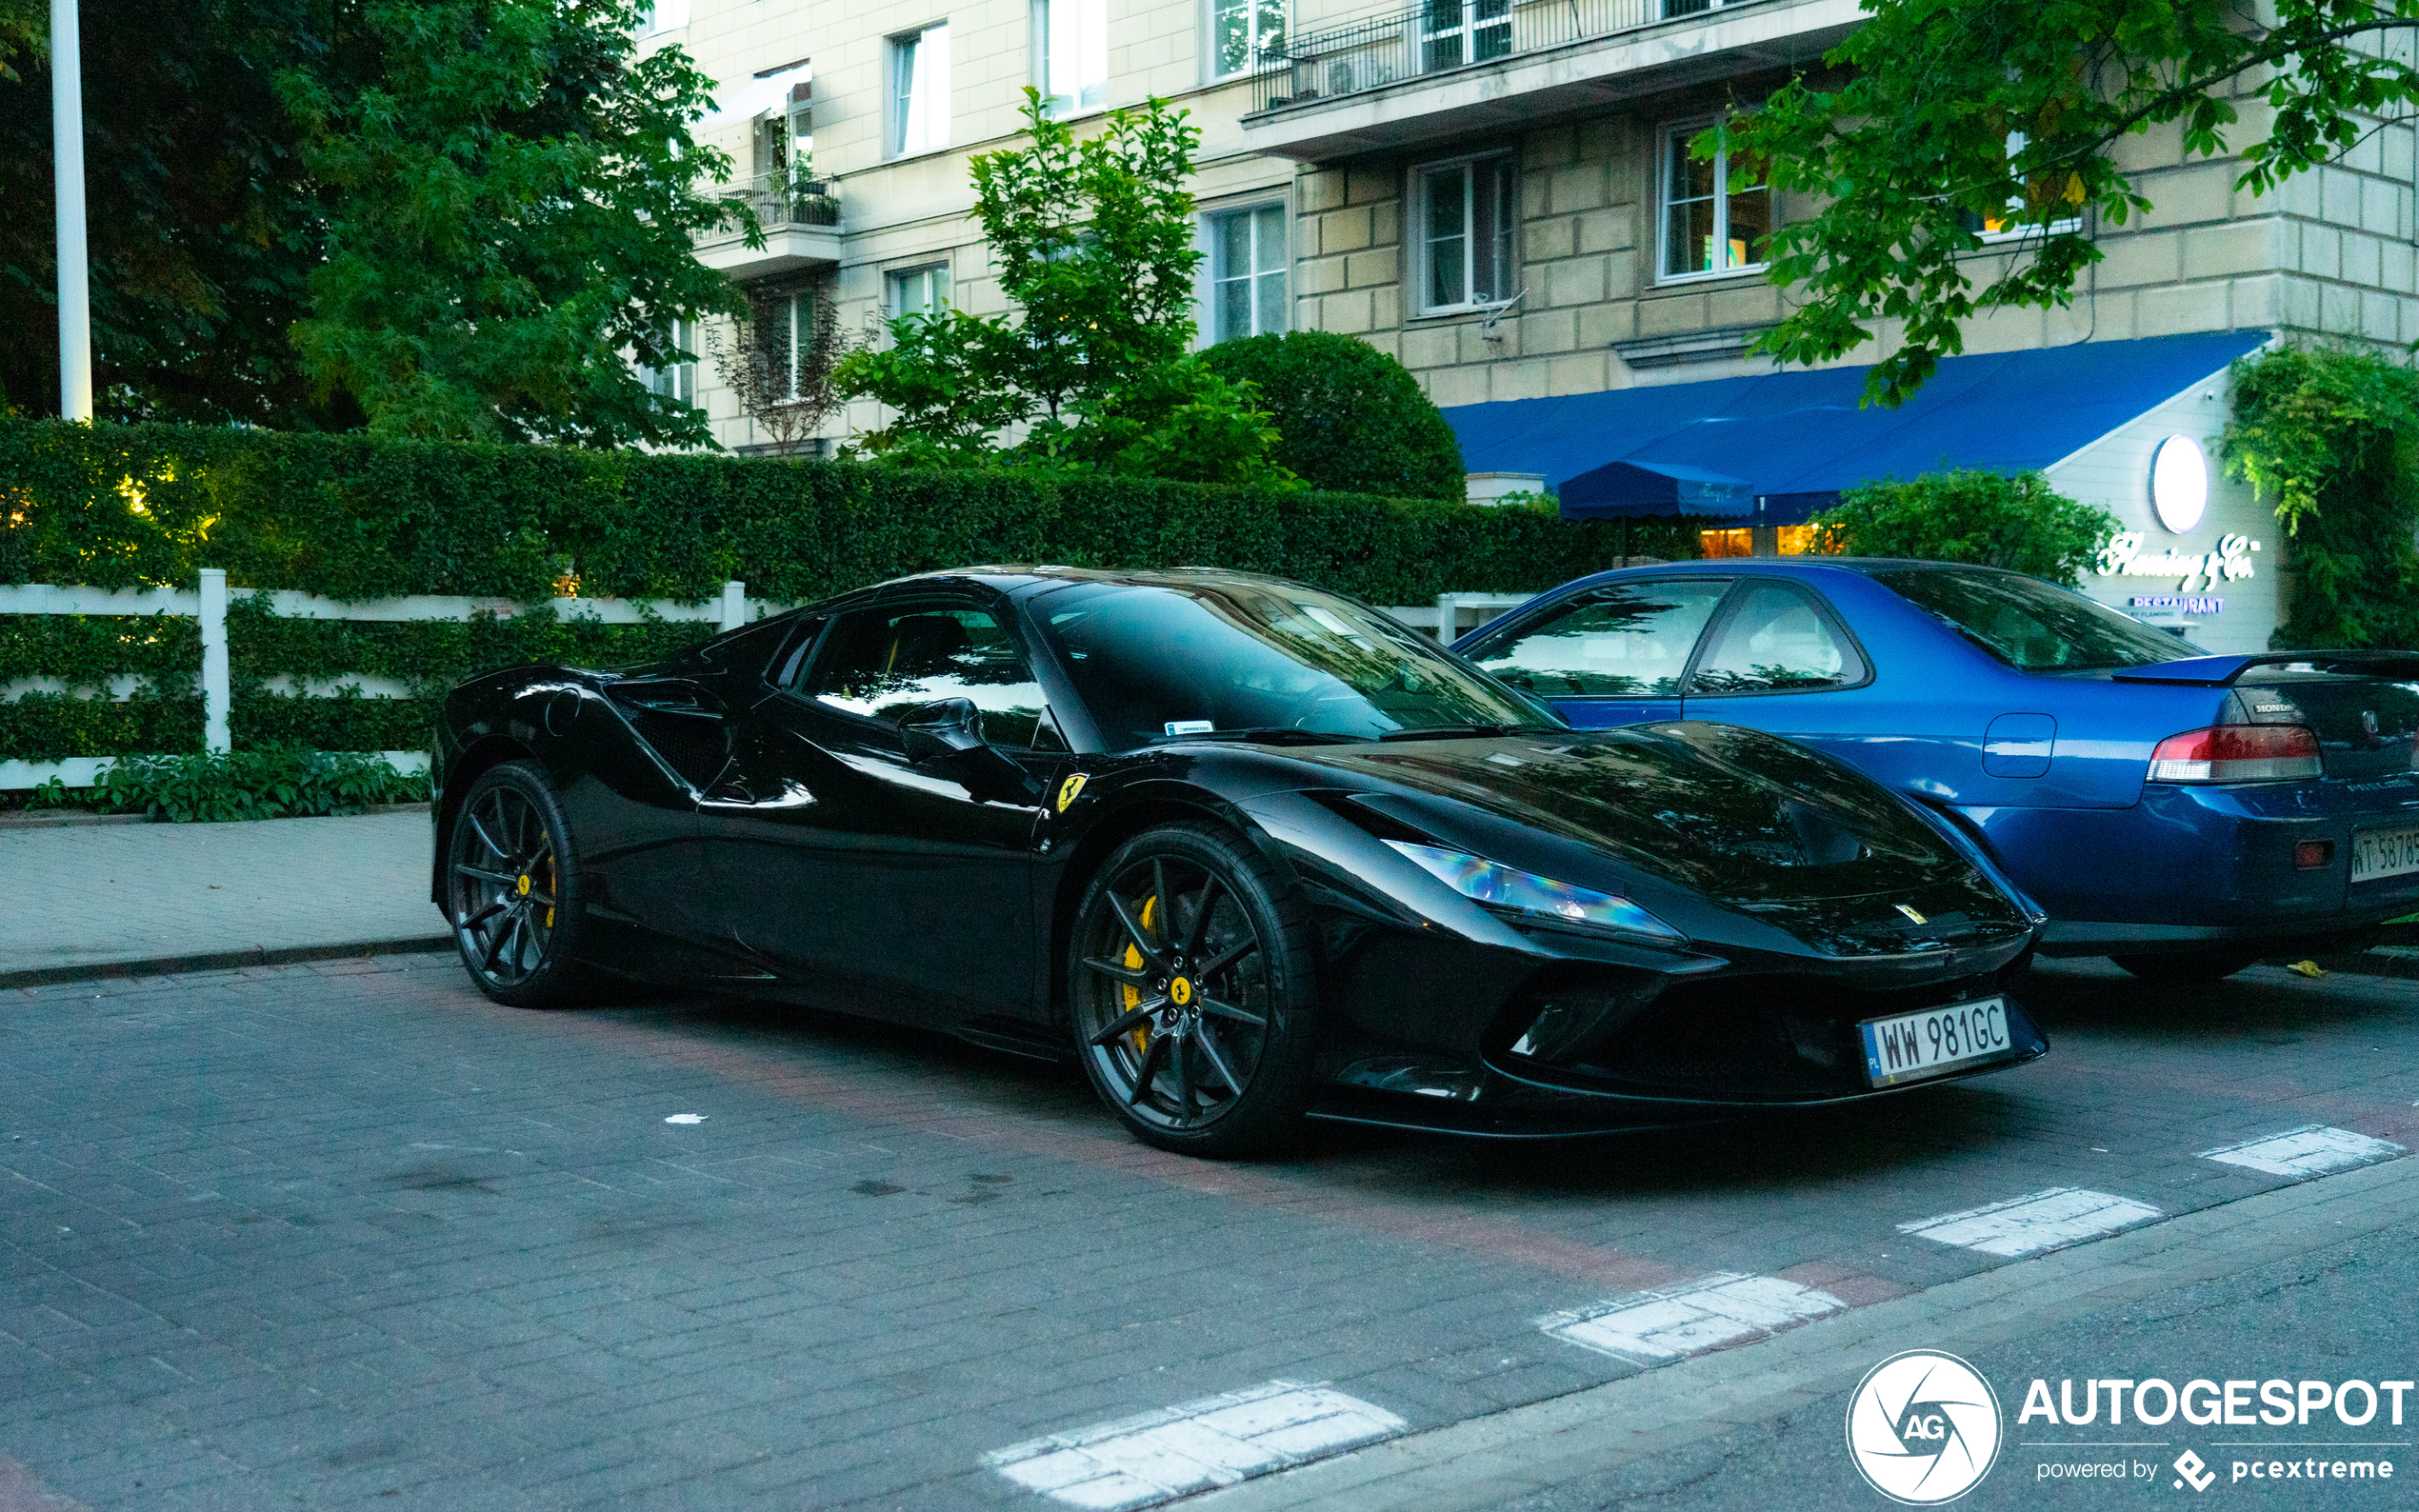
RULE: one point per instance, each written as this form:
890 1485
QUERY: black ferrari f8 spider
1244 849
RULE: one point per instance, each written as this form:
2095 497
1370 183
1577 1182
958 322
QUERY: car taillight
2237 754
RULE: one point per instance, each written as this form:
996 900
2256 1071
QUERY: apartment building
1498 192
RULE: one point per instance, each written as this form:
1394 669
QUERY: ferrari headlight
1500 887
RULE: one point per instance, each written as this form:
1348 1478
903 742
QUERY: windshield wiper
1458 731
1268 735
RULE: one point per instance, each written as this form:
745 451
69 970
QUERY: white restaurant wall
2115 473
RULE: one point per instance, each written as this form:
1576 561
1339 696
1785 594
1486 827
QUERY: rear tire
2187 968
1192 986
512 889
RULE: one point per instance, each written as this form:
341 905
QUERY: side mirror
950 734
937 731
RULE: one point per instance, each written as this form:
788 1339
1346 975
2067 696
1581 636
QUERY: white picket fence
1449 617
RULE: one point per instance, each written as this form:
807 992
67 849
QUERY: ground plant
2330 435
1991 519
356 517
283 782
1347 416
1943 128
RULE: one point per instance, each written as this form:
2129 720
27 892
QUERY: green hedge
352 517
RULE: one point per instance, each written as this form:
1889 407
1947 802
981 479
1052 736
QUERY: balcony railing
779 202
1440 35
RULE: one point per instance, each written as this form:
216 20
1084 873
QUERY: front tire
512 891
2187 968
1194 991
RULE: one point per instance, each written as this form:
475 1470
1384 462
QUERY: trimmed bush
1985 518
1351 417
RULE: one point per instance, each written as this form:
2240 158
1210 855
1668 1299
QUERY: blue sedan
2183 813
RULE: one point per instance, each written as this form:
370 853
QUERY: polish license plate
1914 1046
2384 853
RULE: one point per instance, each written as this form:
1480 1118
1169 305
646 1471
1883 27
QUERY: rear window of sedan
2032 625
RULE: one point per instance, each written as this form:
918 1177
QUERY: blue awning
1795 439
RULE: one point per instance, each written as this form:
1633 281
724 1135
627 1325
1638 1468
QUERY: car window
1621 640
1158 663
1775 640
884 663
2032 625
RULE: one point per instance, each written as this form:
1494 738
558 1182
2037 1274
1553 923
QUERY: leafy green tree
1944 119
1093 243
201 221
513 195
2331 434
2020 523
1349 416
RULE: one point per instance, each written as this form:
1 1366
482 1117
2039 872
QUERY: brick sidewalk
77 896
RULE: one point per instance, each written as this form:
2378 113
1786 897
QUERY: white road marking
2026 1226
1649 1327
685 1118
2312 1150
1217 1440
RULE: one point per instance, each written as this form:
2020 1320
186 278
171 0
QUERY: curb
2395 963
20 819
220 961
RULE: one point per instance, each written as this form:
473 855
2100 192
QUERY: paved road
76 895
347 1233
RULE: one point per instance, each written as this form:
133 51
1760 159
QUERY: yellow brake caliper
1139 1036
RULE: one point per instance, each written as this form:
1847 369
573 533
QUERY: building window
1244 33
1074 54
785 328
1712 221
662 15
1454 32
1247 273
920 91
678 381
1467 211
922 292
2040 189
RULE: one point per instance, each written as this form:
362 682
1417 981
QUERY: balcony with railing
1444 67
801 221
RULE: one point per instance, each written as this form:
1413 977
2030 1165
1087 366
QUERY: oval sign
2179 483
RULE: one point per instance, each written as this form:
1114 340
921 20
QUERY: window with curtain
1074 54
1714 222
1467 212
1247 273
1244 33
920 91
678 381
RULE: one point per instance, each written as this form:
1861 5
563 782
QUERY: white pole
66 159
734 605
215 688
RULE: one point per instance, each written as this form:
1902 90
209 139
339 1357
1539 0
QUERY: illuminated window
1713 220
1790 540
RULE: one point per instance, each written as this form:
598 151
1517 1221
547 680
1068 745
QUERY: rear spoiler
2221 671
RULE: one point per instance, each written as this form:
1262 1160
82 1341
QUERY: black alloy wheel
511 889
2187 968
1193 995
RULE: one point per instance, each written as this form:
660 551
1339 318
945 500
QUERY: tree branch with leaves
1953 116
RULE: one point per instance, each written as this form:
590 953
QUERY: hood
1731 813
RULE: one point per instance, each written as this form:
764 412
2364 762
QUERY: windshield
1157 663
2032 625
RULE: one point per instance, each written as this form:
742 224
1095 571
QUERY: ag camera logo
1923 1427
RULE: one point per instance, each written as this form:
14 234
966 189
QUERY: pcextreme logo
1923 1427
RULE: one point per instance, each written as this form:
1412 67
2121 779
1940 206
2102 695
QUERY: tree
201 221
2019 523
466 217
1093 243
514 202
2333 435
1955 117
778 361
1349 417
